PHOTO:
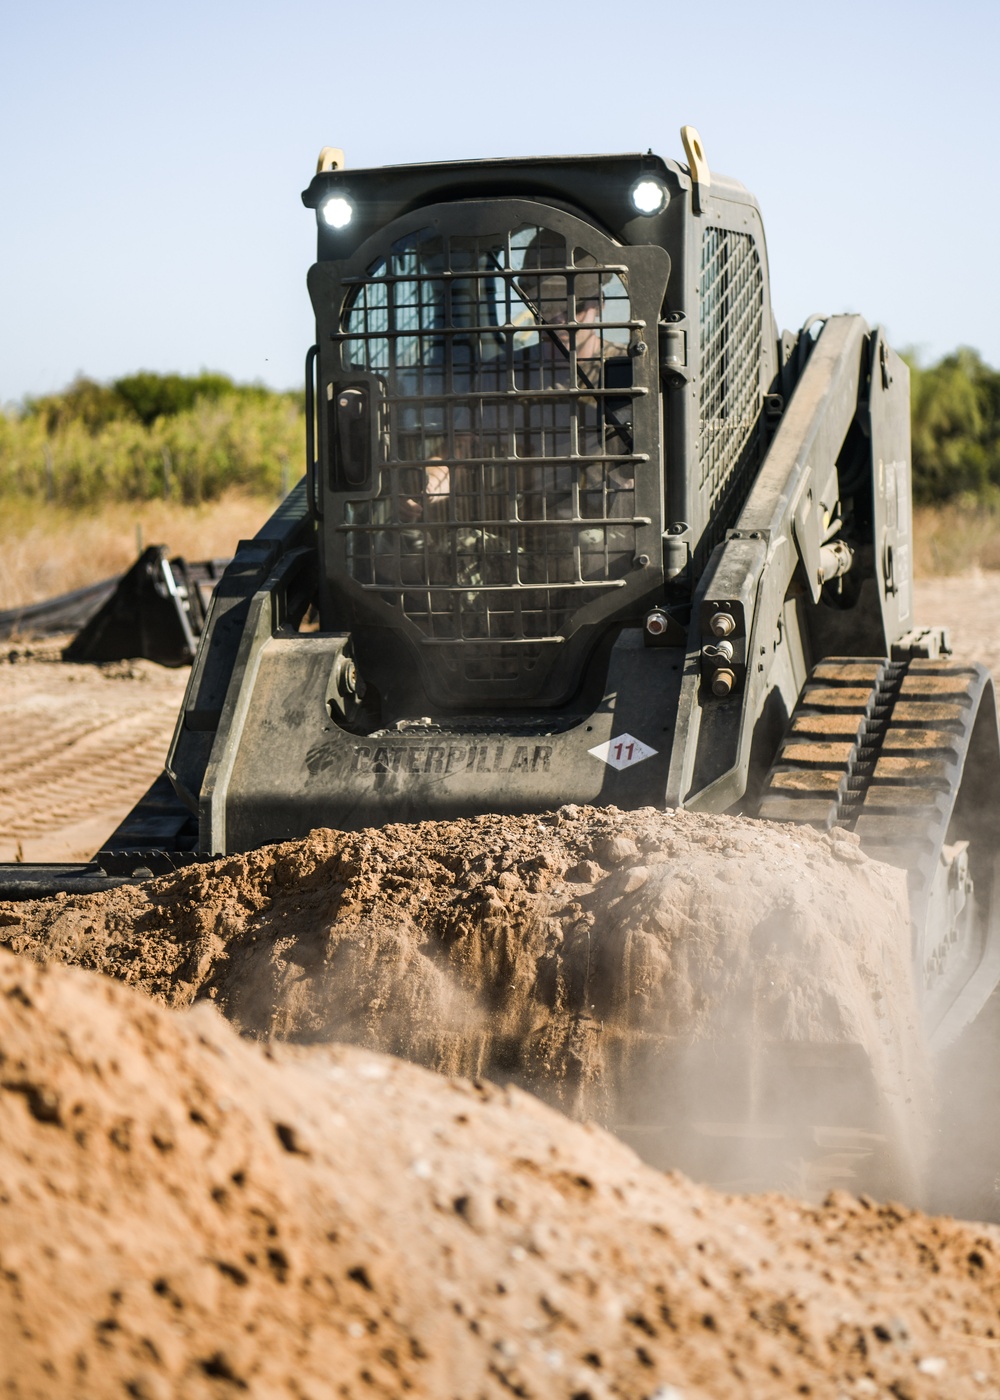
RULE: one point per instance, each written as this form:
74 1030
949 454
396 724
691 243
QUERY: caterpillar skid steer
579 525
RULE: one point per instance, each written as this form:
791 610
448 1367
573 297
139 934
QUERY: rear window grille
731 339
505 498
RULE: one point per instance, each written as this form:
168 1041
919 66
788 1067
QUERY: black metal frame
529 663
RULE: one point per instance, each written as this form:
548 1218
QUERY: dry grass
955 539
50 550
45 551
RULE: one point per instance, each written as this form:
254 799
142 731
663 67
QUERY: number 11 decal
622 751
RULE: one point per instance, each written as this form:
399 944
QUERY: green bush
152 396
955 418
149 435
85 402
191 437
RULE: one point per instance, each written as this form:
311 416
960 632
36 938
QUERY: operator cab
489 380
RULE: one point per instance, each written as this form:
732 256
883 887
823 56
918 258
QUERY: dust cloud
730 997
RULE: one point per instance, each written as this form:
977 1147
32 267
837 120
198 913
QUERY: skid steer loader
580 525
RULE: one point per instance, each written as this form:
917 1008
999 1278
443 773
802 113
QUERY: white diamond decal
622 751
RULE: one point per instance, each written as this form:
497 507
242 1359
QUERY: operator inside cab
514 475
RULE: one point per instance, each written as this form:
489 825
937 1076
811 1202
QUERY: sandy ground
968 607
598 958
79 745
184 1214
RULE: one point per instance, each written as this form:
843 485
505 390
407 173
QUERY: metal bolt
723 681
721 624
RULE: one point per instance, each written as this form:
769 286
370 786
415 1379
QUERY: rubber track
879 747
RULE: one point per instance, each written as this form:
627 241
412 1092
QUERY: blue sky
153 155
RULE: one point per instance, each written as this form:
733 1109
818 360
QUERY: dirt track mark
78 746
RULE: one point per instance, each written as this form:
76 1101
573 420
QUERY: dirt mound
183 1212
643 969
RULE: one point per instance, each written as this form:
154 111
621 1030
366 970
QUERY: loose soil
646 969
184 1212
187 1214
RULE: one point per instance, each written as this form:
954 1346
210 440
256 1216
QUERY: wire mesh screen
505 497
731 338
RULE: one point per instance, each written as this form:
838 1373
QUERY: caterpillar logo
499 756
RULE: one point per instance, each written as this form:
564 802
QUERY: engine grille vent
731 339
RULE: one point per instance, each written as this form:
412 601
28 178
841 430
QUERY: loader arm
784 551
221 660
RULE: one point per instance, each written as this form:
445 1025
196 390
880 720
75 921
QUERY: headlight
649 196
337 211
